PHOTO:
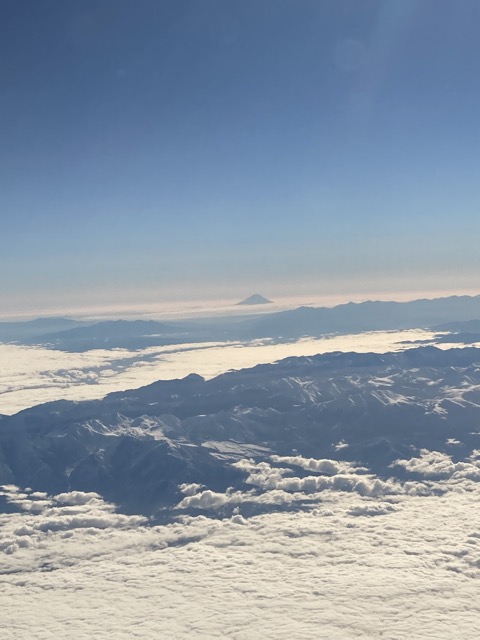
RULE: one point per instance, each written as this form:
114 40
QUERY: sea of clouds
338 555
34 375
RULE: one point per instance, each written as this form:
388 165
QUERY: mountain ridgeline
136 447
442 314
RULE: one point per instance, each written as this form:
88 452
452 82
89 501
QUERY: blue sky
163 150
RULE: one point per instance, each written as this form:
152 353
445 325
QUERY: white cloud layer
388 565
33 375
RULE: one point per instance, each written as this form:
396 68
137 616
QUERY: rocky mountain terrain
137 447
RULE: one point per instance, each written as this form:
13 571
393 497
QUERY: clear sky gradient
179 149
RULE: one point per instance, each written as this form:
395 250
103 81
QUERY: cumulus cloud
365 486
276 486
76 497
323 466
261 474
189 488
434 464
333 475
212 500
60 513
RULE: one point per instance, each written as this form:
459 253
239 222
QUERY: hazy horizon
182 151
171 309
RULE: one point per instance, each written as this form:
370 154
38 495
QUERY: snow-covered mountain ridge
137 447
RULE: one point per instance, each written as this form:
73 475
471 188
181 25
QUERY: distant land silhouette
457 314
255 299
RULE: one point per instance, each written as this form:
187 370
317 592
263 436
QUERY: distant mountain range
256 298
18 331
130 334
70 335
136 447
366 316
